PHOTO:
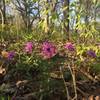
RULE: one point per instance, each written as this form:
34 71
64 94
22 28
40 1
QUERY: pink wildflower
28 47
70 46
48 49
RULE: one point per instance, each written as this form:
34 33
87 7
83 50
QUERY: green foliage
5 98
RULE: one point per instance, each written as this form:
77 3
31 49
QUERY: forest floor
21 89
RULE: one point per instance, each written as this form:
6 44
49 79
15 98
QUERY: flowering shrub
53 55
49 50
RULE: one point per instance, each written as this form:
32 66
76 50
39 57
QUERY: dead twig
88 75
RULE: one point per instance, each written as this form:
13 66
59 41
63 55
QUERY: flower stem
74 80
66 88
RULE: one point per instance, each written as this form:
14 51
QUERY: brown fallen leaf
91 97
2 71
97 98
19 83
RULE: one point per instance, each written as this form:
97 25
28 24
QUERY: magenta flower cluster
11 55
28 47
48 49
69 46
91 53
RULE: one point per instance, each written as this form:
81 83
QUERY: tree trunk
47 18
4 11
2 19
66 19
